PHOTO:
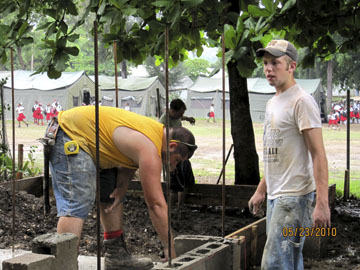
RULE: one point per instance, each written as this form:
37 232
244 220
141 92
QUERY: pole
116 77
347 172
97 161
20 160
167 141
13 146
223 134
158 103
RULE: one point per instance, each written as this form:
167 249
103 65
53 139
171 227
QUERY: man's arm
189 119
143 152
314 142
258 198
124 176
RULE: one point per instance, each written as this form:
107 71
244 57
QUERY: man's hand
255 204
118 196
191 120
321 216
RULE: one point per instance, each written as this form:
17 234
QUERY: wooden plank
32 185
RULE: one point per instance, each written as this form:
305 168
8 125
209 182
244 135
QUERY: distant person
21 117
48 112
35 106
183 176
211 113
39 114
295 162
127 107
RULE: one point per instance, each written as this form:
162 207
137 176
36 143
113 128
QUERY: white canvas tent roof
139 92
205 91
71 89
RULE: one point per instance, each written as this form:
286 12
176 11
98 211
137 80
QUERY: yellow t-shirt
79 124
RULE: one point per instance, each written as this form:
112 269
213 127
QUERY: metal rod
347 171
97 159
348 131
20 160
158 103
13 146
46 181
116 77
227 158
224 135
167 140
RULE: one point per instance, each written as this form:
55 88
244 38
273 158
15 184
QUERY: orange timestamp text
305 231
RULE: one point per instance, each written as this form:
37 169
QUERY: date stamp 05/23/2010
308 231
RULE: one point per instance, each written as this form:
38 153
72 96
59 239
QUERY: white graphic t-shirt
287 161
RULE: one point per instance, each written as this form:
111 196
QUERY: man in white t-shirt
295 162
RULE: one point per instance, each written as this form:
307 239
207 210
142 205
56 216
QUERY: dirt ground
343 250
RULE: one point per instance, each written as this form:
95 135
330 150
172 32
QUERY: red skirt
21 117
48 116
211 114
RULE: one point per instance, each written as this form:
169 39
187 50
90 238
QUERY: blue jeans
286 219
73 179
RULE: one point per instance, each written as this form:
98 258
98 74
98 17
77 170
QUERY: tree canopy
138 28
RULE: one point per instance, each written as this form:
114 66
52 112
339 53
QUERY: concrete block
185 243
212 255
62 246
30 261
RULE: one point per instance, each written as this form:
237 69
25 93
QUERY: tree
138 28
196 67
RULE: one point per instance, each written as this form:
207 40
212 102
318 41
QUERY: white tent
206 91
70 90
141 93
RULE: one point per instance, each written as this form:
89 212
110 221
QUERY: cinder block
185 243
62 246
29 261
315 246
212 255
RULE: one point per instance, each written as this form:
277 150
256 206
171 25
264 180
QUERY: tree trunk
245 155
123 69
21 60
329 84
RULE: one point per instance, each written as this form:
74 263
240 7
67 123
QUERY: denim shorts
73 179
287 218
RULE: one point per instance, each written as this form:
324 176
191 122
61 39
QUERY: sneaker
117 257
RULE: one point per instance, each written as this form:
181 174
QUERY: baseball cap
279 48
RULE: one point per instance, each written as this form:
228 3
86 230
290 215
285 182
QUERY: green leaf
71 8
73 37
53 73
289 4
246 67
199 51
23 28
50 12
255 11
269 5
163 3
26 40
192 3
230 36
129 11
118 3
156 26
43 26
72 50
60 60
63 27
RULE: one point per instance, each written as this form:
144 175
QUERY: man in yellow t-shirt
128 142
